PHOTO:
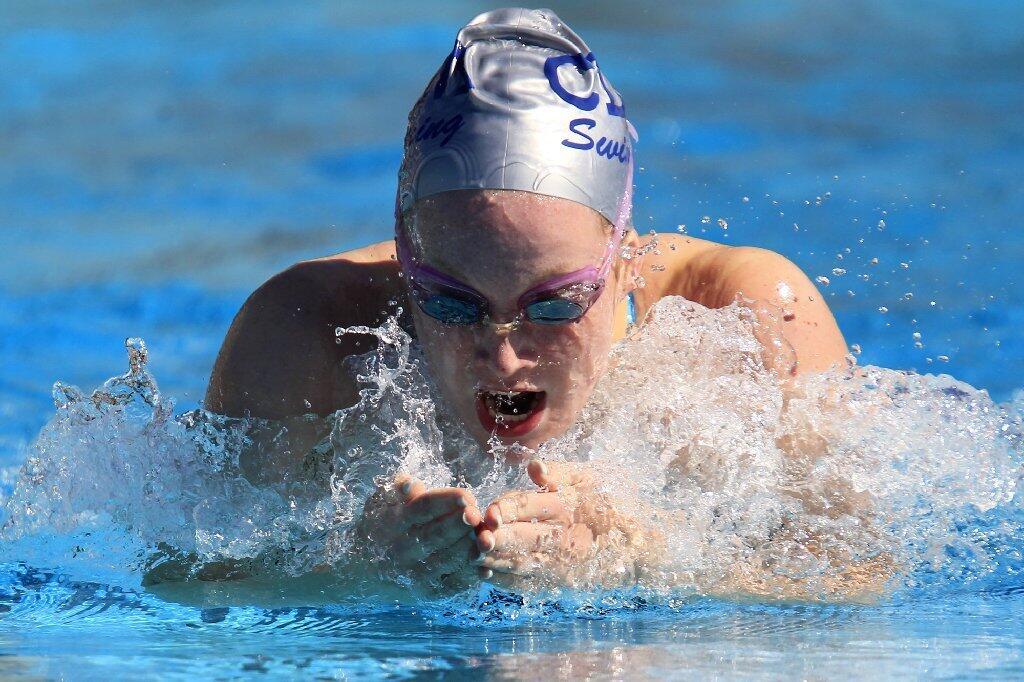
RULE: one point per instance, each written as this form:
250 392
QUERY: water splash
739 474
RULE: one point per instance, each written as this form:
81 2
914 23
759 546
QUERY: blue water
158 163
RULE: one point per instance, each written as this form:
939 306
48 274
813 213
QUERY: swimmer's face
502 244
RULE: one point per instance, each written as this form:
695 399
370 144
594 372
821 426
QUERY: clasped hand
543 535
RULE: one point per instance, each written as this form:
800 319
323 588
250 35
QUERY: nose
500 350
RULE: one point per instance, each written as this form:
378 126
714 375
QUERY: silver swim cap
520 103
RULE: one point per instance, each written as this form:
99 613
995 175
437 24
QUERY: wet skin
501 243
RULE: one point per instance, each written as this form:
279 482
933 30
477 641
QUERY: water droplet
138 355
681 228
838 272
706 219
785 291
745 200
882 309
823 280
723 224
855 348
942 358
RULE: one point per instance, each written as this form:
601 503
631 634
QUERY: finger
524 538
554 476
485 540
438 502
520 566
473 517
449 529
524 506
409 487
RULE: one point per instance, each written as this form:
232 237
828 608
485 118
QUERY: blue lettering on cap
589 103
587 141
609 149
445 126
582 63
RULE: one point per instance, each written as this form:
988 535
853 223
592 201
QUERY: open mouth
510 413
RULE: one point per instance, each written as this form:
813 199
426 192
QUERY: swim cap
521 103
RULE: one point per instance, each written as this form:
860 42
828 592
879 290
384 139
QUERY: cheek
448 349
578 352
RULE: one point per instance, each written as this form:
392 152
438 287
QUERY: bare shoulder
280 357
715 275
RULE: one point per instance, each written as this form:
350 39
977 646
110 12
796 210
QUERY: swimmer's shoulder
280 356
716 275
712 274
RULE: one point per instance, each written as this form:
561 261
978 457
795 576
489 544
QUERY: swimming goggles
560 300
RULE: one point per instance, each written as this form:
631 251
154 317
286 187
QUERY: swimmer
517 268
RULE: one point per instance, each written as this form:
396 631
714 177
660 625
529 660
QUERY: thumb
557 475
408 487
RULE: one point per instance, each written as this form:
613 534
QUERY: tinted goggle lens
450 309
554 311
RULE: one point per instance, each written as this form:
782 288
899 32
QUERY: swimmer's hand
567 533
426 534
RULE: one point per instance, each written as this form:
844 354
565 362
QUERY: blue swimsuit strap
630 308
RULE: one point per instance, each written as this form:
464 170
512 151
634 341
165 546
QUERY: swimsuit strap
630 309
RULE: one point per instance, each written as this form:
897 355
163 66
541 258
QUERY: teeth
505 398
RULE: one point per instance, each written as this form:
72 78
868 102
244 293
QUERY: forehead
508 232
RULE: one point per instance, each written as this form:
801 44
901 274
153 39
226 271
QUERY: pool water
159 164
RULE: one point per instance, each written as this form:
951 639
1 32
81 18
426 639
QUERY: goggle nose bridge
504 327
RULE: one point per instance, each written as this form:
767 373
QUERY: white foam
687 432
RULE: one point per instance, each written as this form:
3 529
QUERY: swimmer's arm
279 357
792 312
850 580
